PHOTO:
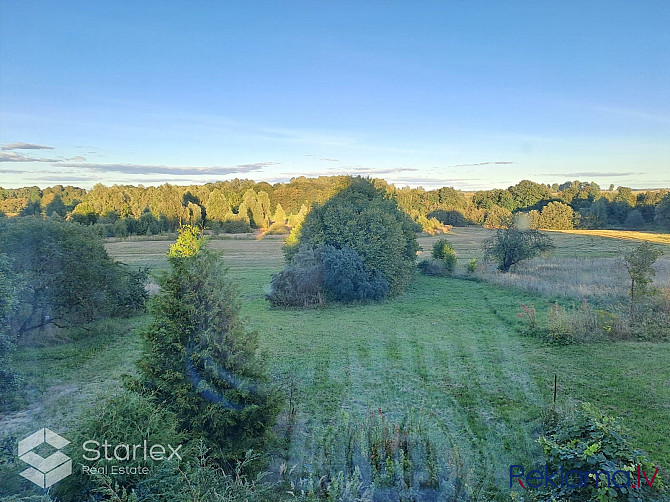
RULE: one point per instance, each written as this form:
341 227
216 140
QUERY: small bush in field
639 264
511 245
434 267
472 266
559 327
441 249
529 317
444 251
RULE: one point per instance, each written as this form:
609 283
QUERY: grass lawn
447 351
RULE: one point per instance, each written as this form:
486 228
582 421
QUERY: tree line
240 206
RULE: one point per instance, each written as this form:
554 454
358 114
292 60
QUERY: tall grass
603 280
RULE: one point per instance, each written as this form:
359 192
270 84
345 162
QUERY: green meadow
448 353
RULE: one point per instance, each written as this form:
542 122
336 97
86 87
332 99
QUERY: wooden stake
555 382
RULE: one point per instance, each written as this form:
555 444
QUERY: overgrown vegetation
586 440
639 264
478 388
325 273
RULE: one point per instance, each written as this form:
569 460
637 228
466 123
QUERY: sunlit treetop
188 243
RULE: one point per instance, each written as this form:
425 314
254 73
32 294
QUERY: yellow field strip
621 234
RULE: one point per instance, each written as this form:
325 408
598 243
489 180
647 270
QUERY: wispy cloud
373 171
26 146
634 114
608 174
163 169
13 171
64 179
432 181
8 156
257 165
499 163
346 170
326 159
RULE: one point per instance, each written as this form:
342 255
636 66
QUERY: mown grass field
447 350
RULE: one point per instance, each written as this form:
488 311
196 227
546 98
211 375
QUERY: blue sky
466 94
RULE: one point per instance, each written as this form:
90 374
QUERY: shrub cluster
586 440
326 273
442 261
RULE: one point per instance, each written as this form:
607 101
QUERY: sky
470 94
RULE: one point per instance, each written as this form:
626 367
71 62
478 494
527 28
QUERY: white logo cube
44 472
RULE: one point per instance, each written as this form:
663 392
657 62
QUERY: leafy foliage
662 212
346 278
300 283
584 439
201 360
66 276
639 264
433 267
227 206
119 418
556 216
8 287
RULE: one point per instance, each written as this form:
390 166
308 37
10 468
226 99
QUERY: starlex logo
44 472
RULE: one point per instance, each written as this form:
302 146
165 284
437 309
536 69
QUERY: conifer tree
201 360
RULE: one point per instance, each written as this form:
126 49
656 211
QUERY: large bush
365 219
66 277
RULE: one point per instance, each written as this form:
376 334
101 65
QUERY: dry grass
585 264
621 234
601 279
